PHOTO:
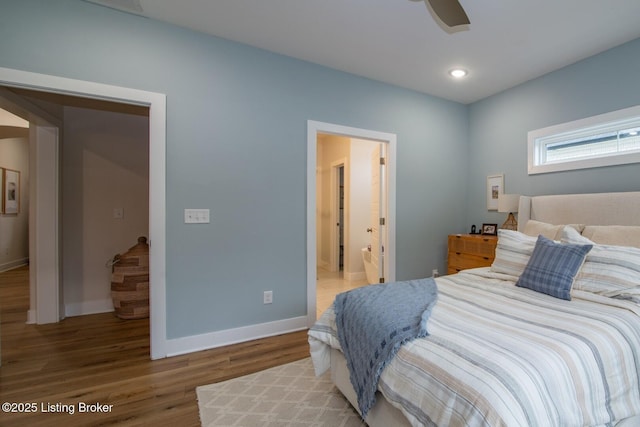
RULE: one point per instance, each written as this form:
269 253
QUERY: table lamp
509 203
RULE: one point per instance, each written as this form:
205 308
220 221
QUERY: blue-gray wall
499 125
236 143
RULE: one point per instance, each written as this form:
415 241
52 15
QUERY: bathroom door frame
313 129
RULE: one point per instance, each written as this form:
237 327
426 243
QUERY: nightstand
470 251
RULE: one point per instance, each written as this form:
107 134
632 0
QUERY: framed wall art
495 187
10 191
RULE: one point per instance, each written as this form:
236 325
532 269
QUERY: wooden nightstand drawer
473 244
468 260
470 251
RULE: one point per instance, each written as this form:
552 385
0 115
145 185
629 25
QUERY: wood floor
100 358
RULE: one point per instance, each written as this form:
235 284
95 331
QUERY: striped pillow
552 267
512 252
609 270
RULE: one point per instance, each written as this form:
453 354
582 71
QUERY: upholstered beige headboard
590 209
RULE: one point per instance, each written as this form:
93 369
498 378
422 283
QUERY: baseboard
352 277
88 307
215 339
13 264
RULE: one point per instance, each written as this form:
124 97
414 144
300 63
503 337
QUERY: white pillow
608 270
550 231
512 252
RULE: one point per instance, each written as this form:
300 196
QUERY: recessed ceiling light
458 73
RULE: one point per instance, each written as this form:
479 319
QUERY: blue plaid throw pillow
553 267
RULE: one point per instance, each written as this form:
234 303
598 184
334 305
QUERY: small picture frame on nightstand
490 229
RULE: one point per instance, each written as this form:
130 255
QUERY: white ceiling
398 42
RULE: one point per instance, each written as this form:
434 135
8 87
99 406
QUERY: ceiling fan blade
450 12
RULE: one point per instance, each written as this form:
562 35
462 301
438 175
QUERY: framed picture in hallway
10 191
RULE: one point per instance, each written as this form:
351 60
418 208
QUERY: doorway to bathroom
351 211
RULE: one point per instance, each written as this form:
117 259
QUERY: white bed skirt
382 414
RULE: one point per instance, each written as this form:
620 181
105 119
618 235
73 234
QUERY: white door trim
157 173
44 226
313 128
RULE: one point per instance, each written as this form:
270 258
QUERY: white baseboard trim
215 339
352 277
88 307
31 317
13 264
323 264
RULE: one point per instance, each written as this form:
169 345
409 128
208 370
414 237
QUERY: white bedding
499 355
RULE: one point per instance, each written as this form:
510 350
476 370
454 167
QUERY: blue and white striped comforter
499 355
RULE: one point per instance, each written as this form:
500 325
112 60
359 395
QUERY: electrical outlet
268 297
435 273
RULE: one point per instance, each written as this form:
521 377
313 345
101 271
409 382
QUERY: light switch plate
196 216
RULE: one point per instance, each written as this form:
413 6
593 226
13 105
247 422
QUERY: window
604 140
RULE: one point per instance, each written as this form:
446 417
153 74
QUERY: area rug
287 395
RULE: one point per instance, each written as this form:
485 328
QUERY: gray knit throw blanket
373 322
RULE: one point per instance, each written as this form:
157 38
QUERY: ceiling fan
449 12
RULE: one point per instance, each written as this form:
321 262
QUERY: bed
498 354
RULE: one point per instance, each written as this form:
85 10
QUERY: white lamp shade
508 202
